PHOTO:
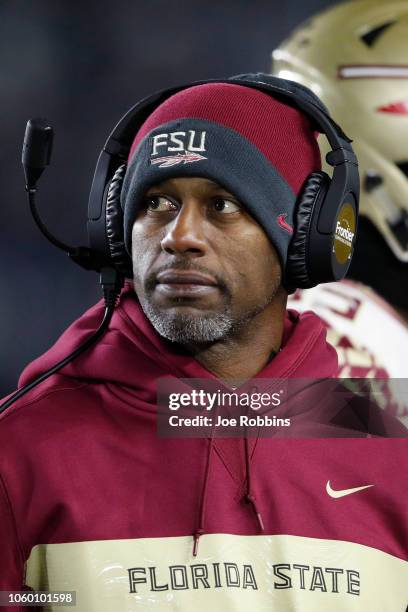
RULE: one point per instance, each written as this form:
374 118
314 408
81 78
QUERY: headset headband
345 178
121 137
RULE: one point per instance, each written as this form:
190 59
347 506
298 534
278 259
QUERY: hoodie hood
131 346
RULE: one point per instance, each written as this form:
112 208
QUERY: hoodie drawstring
249 496
200 529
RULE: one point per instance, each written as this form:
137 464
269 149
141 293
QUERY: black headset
326 210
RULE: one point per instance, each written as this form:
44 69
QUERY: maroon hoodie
92 500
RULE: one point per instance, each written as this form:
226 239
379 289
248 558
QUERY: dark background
82 65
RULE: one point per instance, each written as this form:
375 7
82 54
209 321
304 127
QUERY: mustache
185 264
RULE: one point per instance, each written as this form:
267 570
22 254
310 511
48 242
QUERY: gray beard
194 329
188 328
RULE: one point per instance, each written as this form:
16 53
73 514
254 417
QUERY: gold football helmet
354 56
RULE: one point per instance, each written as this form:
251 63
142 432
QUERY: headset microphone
37 148
36 155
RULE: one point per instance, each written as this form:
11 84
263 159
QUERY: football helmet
354 56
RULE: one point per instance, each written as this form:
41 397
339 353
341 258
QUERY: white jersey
370 337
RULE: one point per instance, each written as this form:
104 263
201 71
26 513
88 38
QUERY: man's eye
225 206
159 204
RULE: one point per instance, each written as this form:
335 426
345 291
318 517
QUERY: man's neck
246 353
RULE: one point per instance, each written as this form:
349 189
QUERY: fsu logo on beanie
182 148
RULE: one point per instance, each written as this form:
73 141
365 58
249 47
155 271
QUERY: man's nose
185 234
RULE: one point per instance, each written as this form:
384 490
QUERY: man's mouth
180 283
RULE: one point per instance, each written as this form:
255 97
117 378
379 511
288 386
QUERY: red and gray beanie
255 146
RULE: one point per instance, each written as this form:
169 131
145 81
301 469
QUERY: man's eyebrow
219 187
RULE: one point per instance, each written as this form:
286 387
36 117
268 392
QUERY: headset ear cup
297 274
114 224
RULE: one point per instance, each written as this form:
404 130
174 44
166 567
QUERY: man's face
203 267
